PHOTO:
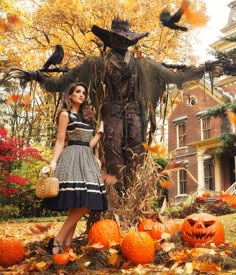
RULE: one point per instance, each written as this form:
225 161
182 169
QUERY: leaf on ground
180 256
42 266
167 246
206 266
114 260
198 251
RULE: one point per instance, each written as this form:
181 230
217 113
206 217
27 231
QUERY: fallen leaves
171 256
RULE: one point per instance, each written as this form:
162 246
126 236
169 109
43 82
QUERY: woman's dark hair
85 110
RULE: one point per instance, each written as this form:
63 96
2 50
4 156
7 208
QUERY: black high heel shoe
51 246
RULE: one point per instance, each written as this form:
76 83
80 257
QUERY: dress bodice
78 130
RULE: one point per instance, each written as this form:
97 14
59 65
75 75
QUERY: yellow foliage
69 24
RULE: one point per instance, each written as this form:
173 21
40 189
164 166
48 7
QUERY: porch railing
231 190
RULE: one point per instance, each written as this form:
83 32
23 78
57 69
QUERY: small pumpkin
228 198
105 232
155 228
171 226
61 259
11 251
138 247
202 228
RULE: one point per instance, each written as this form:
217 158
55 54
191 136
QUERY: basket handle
43 174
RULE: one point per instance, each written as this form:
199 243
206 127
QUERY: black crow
169 20
55 58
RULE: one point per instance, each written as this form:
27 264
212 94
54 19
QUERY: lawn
34 234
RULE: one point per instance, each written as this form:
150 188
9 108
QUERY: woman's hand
53 165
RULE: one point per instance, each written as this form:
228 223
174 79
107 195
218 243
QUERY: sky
218 13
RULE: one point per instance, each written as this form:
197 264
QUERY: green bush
9 212
217 208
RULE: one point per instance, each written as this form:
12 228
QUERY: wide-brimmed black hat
119 37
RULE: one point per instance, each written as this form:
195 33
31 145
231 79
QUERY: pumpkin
155 228
206 195
61 259
11 251
171 226
202 228
105 232
138 247
228 198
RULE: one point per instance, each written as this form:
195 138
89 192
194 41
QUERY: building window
208 174
181 134
205 128
182 181
192 101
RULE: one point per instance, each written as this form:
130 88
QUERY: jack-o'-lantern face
202 228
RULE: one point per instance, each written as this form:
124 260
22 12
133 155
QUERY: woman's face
78 96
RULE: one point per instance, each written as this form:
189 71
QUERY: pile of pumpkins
228 198
137 246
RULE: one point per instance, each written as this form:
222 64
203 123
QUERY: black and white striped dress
78 172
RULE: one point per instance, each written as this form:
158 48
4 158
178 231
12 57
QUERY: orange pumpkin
171 227
11 251
105 232
61 259
138 247
155 229
202 228
229 198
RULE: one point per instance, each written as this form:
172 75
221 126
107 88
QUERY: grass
229 222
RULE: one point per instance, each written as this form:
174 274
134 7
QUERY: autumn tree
69 23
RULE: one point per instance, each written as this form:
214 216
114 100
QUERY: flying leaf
158 149
111 179
232 117
14 19
192 16
26 100
15 97
2 25
166 184
172 164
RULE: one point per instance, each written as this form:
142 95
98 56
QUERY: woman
81 186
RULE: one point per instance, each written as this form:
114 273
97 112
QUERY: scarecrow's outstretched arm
187 73
89 72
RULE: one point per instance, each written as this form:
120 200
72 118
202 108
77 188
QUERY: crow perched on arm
55 58
169 20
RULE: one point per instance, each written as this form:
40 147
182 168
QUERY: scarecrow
126 90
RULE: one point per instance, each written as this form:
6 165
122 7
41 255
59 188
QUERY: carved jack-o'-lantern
202 228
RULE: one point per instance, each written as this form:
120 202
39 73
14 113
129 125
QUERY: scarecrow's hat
119 37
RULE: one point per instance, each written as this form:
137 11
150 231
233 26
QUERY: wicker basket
47 185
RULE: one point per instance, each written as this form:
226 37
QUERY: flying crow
169 20
55 58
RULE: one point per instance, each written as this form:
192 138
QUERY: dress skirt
80 183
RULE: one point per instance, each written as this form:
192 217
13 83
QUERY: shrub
9 211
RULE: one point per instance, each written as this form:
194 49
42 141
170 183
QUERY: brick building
193 137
